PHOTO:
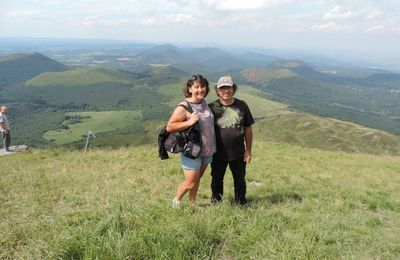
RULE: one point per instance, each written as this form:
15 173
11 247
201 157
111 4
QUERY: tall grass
116 204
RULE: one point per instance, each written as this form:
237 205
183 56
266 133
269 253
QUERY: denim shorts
193 164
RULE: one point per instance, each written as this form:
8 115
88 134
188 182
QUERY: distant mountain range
40 90
214 59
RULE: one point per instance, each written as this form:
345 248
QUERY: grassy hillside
371 101
85 89
19 67
263 76
326 133
29 122
303 204
260 106
81 77
163 69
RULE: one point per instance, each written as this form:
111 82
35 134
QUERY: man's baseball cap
225 81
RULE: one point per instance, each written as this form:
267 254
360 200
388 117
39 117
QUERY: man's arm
248 138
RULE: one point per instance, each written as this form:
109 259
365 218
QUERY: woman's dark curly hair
199 78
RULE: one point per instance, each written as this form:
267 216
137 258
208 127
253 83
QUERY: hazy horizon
363 27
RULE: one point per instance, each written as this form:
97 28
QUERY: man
234 137
5 128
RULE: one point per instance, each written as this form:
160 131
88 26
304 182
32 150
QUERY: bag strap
188 107
190 110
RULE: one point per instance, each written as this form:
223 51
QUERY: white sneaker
175 203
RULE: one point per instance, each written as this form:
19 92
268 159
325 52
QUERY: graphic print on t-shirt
230 118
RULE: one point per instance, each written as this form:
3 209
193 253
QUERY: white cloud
179 18
338 12
185 19
21 14
120 22
375 14
296 29
148 21
235 5
332 27
375 29
182 3
91 20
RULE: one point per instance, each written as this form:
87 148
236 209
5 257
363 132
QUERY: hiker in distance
195 90
5 128
234 137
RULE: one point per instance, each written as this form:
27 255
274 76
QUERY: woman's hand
194 117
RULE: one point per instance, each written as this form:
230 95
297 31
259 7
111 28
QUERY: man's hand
247 156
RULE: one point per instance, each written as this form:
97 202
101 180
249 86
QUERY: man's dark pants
6 140
238 169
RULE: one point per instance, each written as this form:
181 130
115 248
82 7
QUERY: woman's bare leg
191 181
193 192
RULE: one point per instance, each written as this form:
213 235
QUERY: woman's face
197 90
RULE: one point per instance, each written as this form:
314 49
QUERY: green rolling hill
19 67
163 70
263 76
86 89
326 134
81 77
364 100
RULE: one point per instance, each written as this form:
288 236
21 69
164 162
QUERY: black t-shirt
230 122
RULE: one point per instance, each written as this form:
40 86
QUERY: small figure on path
5 128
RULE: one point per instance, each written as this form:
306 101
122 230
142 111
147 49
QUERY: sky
363 26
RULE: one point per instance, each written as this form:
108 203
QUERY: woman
195 90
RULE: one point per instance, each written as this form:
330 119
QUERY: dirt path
13 149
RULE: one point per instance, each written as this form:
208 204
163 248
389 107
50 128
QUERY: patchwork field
97 122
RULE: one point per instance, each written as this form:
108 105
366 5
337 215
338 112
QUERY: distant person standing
5 128
234 137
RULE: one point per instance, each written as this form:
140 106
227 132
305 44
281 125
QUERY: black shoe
215 200
241 201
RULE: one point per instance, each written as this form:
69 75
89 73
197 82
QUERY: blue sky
364 26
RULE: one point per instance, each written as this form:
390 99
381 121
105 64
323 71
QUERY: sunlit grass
303 203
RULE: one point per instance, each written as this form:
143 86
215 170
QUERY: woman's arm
178 121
